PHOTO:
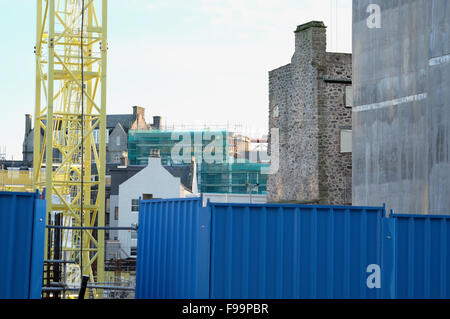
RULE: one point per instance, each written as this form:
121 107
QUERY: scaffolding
70 108
142 142
230 174
233 178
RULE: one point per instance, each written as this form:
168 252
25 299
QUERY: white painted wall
155 180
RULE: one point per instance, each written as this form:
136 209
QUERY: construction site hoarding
190 250
22 237
419 256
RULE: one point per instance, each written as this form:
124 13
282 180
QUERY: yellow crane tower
69 162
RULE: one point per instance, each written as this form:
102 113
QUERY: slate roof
126 120
120 175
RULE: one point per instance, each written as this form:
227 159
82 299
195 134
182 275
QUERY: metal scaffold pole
70 110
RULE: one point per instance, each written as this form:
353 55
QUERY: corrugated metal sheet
421 256
22 235
173 250
260 251
293 251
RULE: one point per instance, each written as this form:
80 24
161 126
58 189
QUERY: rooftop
311 24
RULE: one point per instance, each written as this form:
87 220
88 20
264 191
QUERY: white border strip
439 60
403 100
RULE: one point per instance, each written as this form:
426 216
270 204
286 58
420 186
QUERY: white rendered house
153 182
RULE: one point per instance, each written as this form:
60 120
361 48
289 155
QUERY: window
133 251
118 140
348 96
276 111
116 213
346 141
96 134
135 205
147 196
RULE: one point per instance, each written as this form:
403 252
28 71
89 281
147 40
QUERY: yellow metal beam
37 109
62 153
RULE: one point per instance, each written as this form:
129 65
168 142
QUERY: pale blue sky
190 61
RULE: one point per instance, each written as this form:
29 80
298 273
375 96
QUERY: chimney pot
138 110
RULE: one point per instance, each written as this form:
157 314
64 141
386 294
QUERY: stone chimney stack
157 122
139 118
28 120
154 158
138 111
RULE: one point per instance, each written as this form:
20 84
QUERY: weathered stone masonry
307 104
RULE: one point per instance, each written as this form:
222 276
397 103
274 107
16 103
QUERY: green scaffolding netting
217 169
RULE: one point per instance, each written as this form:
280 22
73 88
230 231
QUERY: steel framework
70 166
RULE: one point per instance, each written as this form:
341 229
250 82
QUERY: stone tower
307 105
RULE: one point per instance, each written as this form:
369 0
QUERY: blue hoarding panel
173 250
243 251
422 257
22 229
294 251
37 257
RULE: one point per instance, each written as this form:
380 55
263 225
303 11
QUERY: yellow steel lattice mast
67 164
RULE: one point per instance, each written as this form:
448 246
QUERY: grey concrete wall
401 117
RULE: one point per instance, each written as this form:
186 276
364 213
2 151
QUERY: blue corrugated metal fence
268 251
22 235
420 256
173 250
293 251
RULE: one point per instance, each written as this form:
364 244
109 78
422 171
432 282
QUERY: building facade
117 125
153 181
401 121
220 155
310 104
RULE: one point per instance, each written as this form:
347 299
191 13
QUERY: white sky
192 62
